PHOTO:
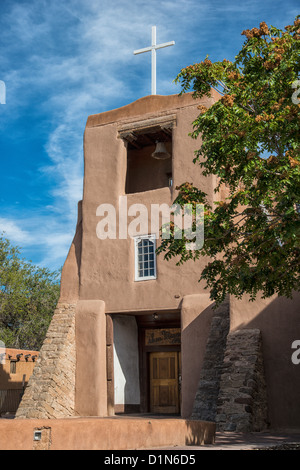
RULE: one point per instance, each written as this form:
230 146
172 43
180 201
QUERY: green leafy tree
28 296
250 141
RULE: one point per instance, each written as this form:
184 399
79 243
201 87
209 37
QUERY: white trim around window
145 257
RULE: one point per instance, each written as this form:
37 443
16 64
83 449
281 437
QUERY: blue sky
64 60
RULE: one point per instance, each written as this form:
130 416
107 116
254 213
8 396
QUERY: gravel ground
291 446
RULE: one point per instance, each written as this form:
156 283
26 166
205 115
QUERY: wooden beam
168 121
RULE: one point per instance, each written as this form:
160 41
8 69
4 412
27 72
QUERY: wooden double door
165 379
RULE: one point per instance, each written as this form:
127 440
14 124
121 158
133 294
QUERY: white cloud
66 60
44 240
14 233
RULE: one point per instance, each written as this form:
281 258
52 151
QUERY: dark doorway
160 362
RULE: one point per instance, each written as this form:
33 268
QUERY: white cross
153 48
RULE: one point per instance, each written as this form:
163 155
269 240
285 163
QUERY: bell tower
131 333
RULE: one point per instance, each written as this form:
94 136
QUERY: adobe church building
134 333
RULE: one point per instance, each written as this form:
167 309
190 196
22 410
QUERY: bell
160 153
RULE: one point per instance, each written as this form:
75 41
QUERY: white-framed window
145 257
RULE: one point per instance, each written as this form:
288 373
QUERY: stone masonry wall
242 402
205 404
50 392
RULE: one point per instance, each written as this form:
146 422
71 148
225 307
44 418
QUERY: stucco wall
107 266
196 316
278 319
103 434
24 368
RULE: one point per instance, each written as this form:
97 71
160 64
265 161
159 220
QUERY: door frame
144 323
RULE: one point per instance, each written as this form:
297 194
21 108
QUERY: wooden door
164 382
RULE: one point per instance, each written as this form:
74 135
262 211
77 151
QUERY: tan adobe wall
24 361
104 434
278 319
107 266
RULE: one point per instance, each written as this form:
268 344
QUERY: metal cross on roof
153 49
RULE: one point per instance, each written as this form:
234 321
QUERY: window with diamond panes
145 258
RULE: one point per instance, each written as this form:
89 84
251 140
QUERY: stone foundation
51 389
242 401
205 404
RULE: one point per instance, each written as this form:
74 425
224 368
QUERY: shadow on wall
10 394
70 276
200 433
11 391
193 347
279 322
